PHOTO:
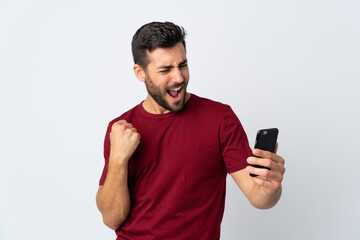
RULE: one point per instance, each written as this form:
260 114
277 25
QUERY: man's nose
177 76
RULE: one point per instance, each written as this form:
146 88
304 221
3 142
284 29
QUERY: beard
159 96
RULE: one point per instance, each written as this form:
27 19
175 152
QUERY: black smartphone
265 140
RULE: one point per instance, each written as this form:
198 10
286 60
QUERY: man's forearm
113 197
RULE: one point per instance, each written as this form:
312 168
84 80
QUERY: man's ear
139 72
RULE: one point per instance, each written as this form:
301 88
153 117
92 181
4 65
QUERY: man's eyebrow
165 66
171 66
183 62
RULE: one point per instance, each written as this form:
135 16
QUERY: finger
269 155
260 162
265 174
124 124
134 129
273 176
118 124
276 148
121 122
269 163
136 136
263 154
128 125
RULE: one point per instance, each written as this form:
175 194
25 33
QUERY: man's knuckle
269 163
277 185
281 177
266 173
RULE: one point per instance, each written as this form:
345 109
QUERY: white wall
66 70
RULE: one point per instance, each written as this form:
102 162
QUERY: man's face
167 76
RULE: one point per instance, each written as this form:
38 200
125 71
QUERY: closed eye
165 71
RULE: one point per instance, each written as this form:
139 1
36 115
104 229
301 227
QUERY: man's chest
183 151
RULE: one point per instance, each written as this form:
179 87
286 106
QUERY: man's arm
113 198
263 191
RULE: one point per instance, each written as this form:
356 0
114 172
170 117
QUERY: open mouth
175 92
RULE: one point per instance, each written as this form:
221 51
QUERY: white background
66 71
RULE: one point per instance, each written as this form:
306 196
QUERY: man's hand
124 140
264 190
269 180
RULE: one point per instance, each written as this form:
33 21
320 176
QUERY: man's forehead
161 56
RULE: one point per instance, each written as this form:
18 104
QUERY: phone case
266 140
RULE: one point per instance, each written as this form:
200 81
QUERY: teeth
177 89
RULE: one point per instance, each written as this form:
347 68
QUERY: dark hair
153 35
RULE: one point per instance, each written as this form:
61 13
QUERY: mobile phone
265 140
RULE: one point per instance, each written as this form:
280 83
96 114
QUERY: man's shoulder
209 104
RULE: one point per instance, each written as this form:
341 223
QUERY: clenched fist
124 139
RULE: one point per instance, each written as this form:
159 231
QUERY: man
166 160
